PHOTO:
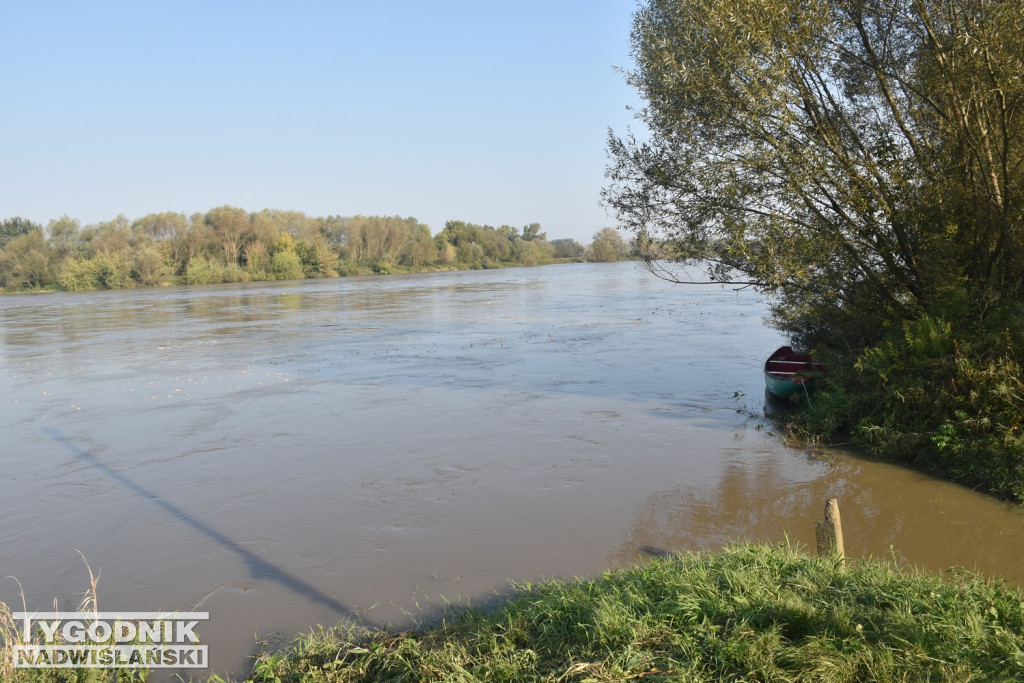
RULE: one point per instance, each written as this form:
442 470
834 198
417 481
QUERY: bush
200 271
105 270
148 266
77 274
471 255
385 267
938 395
287 265
113 269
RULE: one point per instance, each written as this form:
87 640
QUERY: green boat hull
780 387
787 372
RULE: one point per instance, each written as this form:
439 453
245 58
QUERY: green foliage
204 271
257 261
852 158
11 633
105 270
77 274
15 227
113 269
934 394
318 258
148 265
529 253
25 263
161 226
567 249
371 239
532 233
385 267
608 245
863 163
231 230
745 613
226 244
351 269
287 265
65 237
471 255
482 246
200 271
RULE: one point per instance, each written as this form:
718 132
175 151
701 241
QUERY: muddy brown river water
292 454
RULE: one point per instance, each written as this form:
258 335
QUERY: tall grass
747 613
11 635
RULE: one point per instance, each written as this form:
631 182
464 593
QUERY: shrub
287 265
943 396
77 274
200 271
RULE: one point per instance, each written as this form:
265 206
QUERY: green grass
754 613
745 613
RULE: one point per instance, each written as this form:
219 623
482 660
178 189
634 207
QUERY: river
284 455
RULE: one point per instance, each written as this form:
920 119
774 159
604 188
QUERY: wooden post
829 532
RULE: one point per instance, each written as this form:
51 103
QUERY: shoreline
768 611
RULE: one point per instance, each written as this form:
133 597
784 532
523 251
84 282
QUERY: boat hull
787 372
781 387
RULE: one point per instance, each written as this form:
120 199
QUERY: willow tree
861 160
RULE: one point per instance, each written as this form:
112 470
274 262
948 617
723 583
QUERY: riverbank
229 245
747 612
943 393
344 271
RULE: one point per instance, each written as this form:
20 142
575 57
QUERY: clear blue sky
490 112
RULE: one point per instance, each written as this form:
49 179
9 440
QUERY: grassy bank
745 613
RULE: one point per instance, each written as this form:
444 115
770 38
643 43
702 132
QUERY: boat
787 371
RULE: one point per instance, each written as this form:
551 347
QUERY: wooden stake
829 532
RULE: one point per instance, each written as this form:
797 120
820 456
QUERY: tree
25 261
420 249
161 226
373 240
287 265
231 229
257 260
567 248
109 236
532 232
863 160
190 242
608 245
318 258
285 262
13 227
65 238
148 264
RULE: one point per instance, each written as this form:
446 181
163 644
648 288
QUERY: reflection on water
294 454
885 509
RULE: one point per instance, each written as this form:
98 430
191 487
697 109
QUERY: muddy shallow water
293 454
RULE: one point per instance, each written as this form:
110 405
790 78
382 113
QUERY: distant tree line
228 244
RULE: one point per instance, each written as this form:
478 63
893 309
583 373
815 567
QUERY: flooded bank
286 455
